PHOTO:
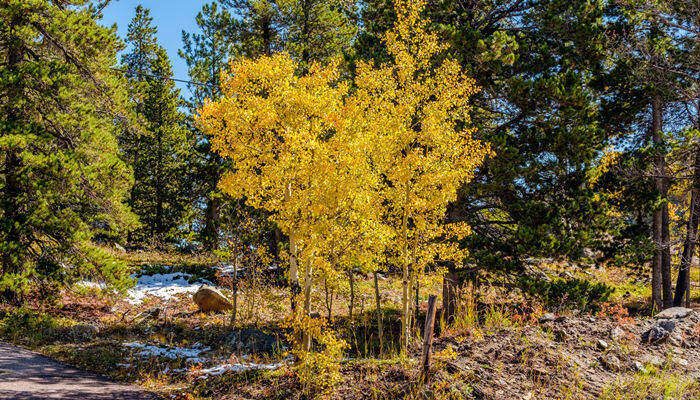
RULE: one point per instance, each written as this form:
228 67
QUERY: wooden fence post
428 337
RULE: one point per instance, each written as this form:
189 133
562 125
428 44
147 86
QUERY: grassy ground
497 348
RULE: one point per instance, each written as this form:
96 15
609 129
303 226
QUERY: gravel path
27 375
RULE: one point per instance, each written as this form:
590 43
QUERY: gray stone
548 317
682 362
602 344
617 334
249 341
653 360
83 332
660 331
639 367
674 313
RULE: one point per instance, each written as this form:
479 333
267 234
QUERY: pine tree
61 179
534 61
317 30
158 150
206 54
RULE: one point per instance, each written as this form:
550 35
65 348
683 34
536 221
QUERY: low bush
575 292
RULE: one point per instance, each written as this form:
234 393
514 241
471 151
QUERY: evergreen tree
158 151
317 30
62 182
534 61
206 54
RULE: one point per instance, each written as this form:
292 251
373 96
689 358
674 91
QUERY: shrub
317 369
567 292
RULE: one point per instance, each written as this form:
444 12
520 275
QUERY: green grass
652 384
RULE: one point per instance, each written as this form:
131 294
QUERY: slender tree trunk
294 286
405 287
234 290
329 299
351 306
666 276
683 281
211 229
379 313
308 283
658 285
416 309
159 191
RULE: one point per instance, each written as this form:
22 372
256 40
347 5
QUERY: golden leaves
352 175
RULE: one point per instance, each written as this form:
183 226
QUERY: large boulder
209 299
250 341
674 313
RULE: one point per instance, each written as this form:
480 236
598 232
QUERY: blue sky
171 17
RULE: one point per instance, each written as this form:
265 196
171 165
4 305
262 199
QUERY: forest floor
506 347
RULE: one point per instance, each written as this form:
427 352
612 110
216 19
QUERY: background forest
544 147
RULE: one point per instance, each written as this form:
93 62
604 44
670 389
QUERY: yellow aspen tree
278 128
415 113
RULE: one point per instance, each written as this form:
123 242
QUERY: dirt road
27 375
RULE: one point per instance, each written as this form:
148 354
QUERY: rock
674 313
561 335
653 360
602 344
639 367
548 317
209 299
660 331
83 332
611 362
249 341
675 340
617 334
682 362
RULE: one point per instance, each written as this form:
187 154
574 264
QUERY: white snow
163 286
189 353
90 284
220 369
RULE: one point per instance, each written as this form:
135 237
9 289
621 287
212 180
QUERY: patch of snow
220 369
90 284
163 286
189 353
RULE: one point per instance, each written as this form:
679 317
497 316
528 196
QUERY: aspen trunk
234 291
308 284
428 330
379 314
416 309
294 287
352 292
329 298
